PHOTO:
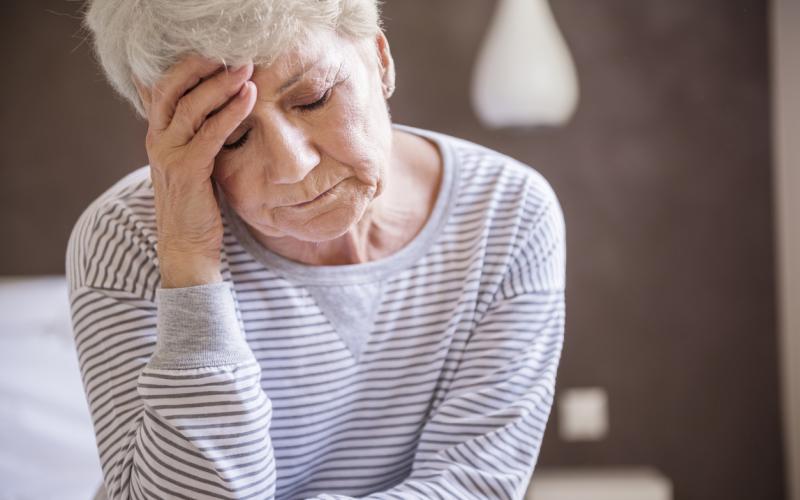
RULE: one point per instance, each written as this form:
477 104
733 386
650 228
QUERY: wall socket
583 414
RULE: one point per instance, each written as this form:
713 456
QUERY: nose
291 152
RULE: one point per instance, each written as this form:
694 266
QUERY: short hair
143 38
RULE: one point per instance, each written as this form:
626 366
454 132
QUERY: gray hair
143 38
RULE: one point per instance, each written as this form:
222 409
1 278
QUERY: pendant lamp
524 74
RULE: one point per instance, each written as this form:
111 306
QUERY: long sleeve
172 386
483 440
175 391
193 421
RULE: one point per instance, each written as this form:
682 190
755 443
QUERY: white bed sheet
47 445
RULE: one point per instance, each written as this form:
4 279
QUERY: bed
48 447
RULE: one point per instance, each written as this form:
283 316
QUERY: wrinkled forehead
300 60
321 51
316 48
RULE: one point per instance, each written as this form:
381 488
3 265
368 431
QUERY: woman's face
320 121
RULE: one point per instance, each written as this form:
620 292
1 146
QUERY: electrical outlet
583 414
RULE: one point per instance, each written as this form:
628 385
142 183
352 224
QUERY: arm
172 386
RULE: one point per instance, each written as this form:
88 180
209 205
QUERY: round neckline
365 272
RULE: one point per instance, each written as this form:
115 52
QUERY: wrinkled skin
269 146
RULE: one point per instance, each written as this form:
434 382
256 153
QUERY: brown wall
664 177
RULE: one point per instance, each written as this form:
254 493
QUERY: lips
304 203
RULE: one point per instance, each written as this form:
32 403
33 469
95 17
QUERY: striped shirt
426 374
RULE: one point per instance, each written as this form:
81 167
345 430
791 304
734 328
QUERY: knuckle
210 131
186 114
185 108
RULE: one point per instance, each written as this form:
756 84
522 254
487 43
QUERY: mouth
318 198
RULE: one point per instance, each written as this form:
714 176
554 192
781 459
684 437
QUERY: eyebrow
294 79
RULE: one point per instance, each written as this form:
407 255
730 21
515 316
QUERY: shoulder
507 189
113 242
513 209
482 167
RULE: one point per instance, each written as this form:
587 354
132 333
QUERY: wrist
185 271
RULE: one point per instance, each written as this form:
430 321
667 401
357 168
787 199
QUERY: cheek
241 186
358 139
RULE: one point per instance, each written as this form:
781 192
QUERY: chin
329 221
326 226
319 233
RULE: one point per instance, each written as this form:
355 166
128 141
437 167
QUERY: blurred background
679 176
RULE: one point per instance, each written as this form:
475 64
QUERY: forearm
175 394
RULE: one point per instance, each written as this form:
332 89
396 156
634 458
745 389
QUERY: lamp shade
524 74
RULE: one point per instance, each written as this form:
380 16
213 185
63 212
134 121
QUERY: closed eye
239 142
304 108
317 104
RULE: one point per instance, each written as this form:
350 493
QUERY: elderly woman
297 298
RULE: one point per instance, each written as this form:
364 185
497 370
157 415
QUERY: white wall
786 121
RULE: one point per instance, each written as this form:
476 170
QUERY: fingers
215 130
177 81
195 107
207 97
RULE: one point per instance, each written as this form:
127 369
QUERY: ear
144 95
387 64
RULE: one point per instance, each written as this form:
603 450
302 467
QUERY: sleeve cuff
197 327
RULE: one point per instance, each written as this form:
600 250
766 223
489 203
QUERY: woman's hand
191 112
